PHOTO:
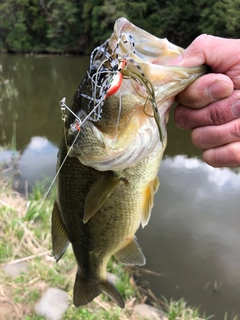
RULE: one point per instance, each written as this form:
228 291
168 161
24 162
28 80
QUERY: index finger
219 53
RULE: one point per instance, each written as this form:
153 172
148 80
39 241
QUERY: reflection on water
41 83
37 162
193 235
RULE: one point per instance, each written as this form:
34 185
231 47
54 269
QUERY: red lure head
117 80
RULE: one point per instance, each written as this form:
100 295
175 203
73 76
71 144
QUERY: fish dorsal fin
131 254
98 194
60 239
85 290
148 201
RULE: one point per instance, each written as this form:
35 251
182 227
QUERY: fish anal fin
99 193
148 201
131 254
60 239
85 290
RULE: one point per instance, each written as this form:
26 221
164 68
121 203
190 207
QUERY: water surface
193 235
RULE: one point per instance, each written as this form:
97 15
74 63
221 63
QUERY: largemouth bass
112 144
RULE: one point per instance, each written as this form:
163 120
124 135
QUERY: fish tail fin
85 290
108 288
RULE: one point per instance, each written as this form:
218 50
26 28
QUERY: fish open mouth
133 68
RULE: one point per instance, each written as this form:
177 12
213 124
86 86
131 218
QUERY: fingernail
217 90
236 109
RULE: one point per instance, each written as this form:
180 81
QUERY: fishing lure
108 77
107 81
113 77
116 80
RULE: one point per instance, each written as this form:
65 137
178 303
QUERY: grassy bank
25 237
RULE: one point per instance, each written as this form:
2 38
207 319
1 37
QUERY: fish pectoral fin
148 201
60 239
131 254
98 194
85 290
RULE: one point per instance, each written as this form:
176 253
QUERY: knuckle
222 111
201 38
218 115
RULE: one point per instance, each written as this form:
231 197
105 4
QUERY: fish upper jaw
141 45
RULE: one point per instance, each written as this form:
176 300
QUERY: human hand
210 107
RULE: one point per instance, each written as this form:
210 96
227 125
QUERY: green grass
125 285
25 236
180 310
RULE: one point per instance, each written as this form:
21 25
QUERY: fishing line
57 173
95 107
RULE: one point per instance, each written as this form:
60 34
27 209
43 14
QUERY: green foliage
79 26
34 317
221 18
62 17
22 25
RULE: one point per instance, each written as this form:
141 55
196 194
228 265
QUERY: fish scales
110 153
123 206
94 242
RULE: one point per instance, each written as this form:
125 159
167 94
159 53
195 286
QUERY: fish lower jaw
119 158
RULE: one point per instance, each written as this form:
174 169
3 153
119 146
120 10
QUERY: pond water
193 236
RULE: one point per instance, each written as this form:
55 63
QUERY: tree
63 17
13 25
79 26
221 18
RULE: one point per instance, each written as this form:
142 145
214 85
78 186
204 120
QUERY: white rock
146 311
53 304
15 269
114 279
